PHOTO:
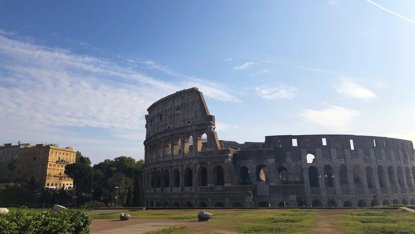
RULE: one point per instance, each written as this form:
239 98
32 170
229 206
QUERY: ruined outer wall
185 165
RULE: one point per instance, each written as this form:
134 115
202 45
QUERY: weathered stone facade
187 166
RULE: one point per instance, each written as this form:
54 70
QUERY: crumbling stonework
187 166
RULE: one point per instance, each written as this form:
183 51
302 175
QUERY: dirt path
327 221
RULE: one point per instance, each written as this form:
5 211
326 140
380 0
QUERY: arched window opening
343 178
219 176
177 148
395 201
188 205
176 178
369 178
165 204
202 177
202 204
310 158
261 173
188 177
313 176
328 176
331 203
219 205
385 203
381 176
244 176
361 203
264 204
188 146
176 205
298 176
374 202
153 179
391 175
357 175
400 176
316 203
347 204
158 182
166 178
282 171
204 142
408 176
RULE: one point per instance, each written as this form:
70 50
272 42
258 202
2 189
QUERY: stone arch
237 205
328 176
282 171
343 177
202 204
357 175
204 142
188 177
385 202
361 203
370 178
408 177
395 201
282 204
316 203
412 201
301 203
165 204
153 179
188 144
264 204
313 176
176 205
347 204
261 173
176 178
158 203
331 203
158 180
188 204
391 175
202 177
381 177
244 176
177 146
218 176
219 205
374 202
166 178
400 176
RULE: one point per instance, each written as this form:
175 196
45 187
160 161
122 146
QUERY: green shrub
45 222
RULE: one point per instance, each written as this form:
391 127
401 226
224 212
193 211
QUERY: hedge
45 222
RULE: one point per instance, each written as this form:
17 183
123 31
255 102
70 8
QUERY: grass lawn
276 220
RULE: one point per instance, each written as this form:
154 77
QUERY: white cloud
47 92
261 72
351 89
244 66
334 117
220 126
276 92
391 12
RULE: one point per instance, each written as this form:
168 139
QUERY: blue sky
83 73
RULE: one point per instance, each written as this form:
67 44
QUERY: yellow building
44 163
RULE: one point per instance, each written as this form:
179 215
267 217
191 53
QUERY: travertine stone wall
187 166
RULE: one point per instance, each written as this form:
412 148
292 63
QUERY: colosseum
186 165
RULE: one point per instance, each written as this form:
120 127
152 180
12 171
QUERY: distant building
44 163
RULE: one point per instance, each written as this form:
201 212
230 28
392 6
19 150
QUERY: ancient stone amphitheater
186 165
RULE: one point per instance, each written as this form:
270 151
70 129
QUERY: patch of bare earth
327 221
131 226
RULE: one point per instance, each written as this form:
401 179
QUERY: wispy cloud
391 12
244 66
350 89
334 117
261 72
276 92
44 91
221 126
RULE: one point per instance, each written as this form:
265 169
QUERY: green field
280 220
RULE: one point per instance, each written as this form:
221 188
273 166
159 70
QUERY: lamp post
116 195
